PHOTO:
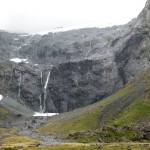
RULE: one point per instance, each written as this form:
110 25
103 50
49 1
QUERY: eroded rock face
86 65
25 89
70 46
77 84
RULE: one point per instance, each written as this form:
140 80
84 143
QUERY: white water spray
1 97
42 78
40 98
45 90
47 80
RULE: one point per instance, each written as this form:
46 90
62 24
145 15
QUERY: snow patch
16 39
64 29
38 114
1 97
25 44
24 35
18 60
75 27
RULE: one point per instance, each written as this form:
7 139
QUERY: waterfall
20 78
47 80
40 97
19 92
42 78
45 90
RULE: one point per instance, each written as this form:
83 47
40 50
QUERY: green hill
124 116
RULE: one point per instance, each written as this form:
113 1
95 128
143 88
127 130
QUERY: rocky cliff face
70 46
80 66
20 82
77 84
134 54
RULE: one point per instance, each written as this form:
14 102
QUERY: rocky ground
28 126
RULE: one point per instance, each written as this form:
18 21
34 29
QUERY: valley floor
125 117
111 146
92 146
22 134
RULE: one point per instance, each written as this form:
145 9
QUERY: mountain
67 70
97 79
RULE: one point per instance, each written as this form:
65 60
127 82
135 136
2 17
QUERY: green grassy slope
78 146
109 119
113 146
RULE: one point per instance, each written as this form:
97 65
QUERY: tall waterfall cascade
44 91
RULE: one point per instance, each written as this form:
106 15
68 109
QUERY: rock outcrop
20 82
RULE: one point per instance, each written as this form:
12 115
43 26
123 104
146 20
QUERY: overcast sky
39 15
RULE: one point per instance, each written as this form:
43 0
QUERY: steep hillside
11 43
11 108
11 111
124 116
13 116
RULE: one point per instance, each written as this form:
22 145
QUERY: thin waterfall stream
40 97
45 90
43 96
20 81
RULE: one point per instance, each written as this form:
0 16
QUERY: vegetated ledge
124 116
